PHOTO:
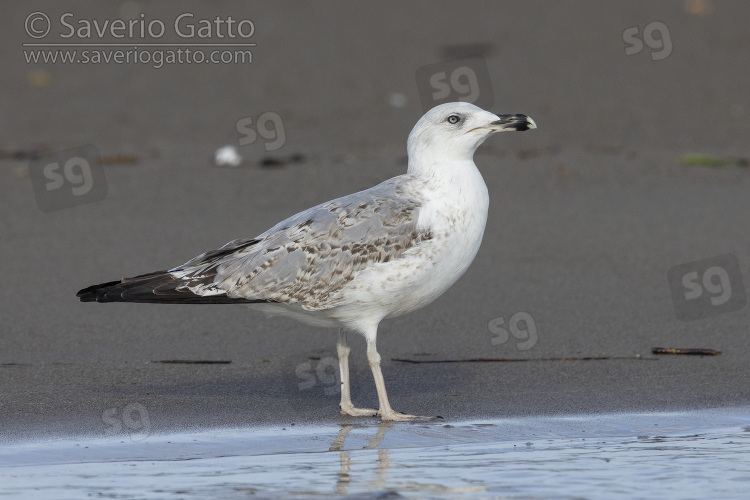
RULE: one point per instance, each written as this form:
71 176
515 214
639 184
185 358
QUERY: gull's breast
455 221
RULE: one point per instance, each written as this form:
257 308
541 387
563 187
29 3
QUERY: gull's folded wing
305 259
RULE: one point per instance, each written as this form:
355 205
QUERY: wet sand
699 454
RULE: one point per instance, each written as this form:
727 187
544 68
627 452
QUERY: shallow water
697 454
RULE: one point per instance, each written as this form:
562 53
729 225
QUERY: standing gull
354 261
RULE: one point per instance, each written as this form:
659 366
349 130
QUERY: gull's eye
453 119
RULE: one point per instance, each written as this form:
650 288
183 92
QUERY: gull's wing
305 259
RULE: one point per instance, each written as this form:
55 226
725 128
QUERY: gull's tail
160 287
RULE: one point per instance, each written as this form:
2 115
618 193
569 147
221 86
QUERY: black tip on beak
514 122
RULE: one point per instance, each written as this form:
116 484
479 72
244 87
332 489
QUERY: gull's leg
387 414
347 408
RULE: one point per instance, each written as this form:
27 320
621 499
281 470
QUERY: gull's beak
513 122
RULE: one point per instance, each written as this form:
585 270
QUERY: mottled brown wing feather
311 256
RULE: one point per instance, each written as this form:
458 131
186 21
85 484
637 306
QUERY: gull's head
453 131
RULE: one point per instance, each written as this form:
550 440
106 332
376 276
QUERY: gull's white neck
453 186
450 173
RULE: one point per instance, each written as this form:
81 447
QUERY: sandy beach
591 214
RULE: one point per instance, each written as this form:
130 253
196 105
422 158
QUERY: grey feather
309 257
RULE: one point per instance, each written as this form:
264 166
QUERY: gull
354 261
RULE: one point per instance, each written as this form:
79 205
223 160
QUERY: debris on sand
227 156
699 160
689 352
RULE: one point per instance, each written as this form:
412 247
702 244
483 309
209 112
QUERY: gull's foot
357 412
394 416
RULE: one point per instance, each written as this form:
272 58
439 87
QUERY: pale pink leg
347 408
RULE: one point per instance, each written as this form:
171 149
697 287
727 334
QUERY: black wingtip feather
90 293
155 288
